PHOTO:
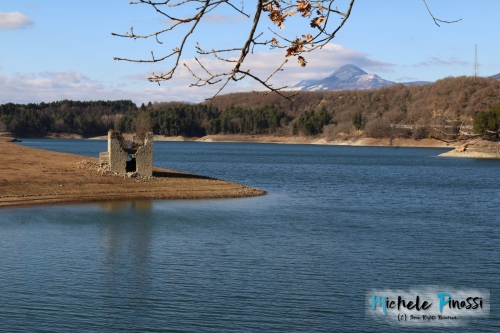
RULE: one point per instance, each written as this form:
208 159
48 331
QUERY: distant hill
411 110
416 83
444 98
348 77
496 76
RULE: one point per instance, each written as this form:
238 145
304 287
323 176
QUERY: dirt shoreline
482 149
316 140
31 176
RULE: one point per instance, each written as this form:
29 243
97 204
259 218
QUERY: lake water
337 222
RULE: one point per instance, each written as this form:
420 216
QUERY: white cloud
14 20
65 77
221 18
57 85
261 64
320 63
436 61
25 76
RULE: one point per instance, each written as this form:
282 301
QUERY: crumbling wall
117 156
103 159
139 150
144 156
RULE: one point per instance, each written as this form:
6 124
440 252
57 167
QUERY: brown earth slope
31 176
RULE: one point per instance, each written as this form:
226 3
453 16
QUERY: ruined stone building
125 156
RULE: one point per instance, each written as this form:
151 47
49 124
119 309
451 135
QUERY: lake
337 222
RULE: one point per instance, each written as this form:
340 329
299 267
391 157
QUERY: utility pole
476 66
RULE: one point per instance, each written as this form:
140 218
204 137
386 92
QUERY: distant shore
315 140
31 176
482 149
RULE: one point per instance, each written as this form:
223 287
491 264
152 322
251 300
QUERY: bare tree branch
436 20
318 15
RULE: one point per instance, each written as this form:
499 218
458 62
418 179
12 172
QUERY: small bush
487 120
339 130
420 133
377 128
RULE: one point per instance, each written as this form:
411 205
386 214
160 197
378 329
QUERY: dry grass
31 176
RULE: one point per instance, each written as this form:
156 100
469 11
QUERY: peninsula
31 176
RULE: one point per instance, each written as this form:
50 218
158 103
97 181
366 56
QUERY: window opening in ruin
131 165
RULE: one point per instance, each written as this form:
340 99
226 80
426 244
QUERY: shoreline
32 177
262 138
482 149
316 140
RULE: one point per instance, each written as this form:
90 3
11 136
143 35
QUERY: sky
52 50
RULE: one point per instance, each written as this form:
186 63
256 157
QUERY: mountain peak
344 78
347 72
350 77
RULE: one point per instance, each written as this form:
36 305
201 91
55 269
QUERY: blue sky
54 49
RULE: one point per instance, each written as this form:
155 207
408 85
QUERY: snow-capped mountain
347 77
303 84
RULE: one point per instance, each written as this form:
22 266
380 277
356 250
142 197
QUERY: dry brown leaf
275 16
296 48
308 37
315 22
302 61
304 7
292 50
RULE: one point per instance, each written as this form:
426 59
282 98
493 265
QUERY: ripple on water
337 222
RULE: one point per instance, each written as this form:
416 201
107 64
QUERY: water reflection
126 266
142 204
112 206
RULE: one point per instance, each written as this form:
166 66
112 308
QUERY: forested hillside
407 111
85 118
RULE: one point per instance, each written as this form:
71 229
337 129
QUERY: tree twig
436 20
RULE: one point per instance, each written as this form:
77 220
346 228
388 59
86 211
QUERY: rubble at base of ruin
128 156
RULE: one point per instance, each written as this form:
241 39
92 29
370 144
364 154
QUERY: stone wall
144 156
117 156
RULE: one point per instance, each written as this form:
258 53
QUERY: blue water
336 223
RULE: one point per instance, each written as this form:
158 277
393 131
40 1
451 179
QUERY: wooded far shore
406 112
